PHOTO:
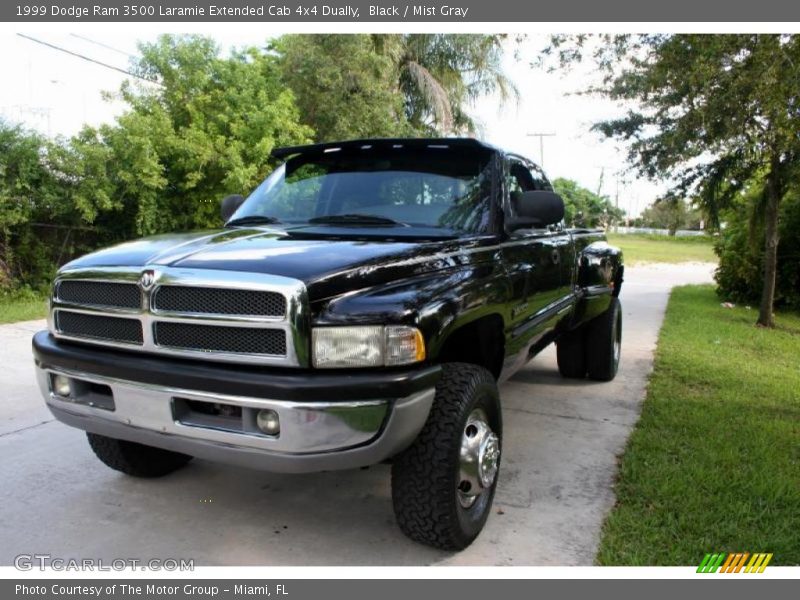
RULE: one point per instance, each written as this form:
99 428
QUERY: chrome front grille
213 315
218 301
100 293
99 327
214 338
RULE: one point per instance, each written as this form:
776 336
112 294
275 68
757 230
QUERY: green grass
714 462
640 248
22 307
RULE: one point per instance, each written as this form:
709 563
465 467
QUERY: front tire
135 459
443 485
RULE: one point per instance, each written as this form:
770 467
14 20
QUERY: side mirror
535 209
230 204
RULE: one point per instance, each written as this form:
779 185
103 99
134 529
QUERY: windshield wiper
252 220
355 219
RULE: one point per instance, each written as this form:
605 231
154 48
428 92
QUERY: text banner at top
294 11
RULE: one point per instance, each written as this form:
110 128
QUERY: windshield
430 187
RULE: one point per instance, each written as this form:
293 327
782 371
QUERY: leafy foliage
205 132
671 214
584 208
351 86
741 257
440 75
35 208
344 88
714 113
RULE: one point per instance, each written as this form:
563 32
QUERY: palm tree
440 75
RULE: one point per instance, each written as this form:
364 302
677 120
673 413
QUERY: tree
667 213
440 75
584 208
714 112
344 88
350 86
740 247
205 130
25 185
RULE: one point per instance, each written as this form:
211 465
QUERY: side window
540 181
519 177
518 180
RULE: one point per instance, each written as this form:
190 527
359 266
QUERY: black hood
329 265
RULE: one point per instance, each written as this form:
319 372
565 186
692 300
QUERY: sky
56 93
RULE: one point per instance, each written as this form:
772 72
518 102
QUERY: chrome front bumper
316 435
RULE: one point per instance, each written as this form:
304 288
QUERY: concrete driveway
562 439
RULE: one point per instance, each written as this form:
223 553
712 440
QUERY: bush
740 248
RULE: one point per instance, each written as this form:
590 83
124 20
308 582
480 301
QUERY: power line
86 58
102 45
541 137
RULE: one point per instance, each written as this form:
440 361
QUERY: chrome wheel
479 459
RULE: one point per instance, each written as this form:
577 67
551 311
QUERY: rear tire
443 485
135 459
604 343
571 354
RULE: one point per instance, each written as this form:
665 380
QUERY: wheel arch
480 341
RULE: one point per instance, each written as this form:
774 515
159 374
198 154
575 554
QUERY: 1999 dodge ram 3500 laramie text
359 306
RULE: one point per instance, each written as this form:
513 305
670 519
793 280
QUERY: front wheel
443 485
135 459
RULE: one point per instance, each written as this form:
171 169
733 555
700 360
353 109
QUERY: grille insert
100 293
213 338
115 329
219 301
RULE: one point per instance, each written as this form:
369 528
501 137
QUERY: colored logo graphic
735 562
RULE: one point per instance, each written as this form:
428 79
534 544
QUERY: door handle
556 256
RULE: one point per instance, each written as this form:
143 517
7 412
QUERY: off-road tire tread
135 459
423 489
600 344
571 354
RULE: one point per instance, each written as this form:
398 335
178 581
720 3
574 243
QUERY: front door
534 262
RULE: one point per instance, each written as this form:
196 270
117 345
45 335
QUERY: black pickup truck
360 306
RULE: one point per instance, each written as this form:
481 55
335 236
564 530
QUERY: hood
329 265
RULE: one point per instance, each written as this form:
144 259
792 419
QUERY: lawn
22 307
714 462
641 248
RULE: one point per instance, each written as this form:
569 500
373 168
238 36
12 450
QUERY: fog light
62 386
268 422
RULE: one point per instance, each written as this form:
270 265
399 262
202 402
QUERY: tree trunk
773 191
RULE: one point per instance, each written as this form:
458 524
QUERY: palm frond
433 92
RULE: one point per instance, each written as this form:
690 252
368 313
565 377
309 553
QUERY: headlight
366 346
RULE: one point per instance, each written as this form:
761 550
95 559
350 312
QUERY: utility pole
541 137
600 181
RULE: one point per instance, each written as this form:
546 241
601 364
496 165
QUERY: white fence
679 233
